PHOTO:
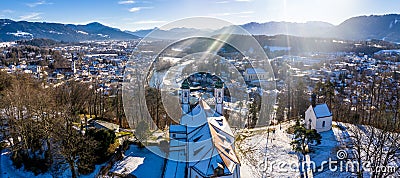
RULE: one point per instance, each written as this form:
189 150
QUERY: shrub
105 138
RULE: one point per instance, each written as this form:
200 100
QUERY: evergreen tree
252 118
304 137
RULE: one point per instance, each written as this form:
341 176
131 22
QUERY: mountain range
382 27
19 30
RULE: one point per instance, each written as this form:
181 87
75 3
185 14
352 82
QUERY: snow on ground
55 32
326 149
102 35
253 154
20 34
140 162
331 142
128 165
8 170
280 160
7 44
340 134
82 32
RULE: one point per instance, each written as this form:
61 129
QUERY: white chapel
318 116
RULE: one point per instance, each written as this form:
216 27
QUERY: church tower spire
219 97
185 96
73 63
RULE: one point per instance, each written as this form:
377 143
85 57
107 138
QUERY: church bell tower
219 97
185 96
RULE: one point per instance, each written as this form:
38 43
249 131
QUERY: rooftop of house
107 125
255 71
322 110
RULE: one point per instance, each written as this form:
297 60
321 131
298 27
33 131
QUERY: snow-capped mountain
382 27
16 30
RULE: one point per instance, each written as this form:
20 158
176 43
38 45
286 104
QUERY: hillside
386 27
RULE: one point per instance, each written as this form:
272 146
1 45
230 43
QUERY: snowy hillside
275 158
259 156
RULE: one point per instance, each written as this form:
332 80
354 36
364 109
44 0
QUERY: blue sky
144 14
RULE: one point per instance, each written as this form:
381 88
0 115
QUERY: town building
255 74
202 145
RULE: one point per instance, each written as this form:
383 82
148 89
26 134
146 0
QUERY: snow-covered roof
210 143
255 71
322 110
198 115
221 124
219 152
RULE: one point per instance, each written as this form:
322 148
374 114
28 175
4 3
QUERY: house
98 124
318 117
202 145
251 74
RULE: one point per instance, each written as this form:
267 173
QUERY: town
338 94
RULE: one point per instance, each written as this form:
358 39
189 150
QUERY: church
202 145
318 116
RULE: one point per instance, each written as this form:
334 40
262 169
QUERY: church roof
213 153
198 115
255 71
212 145
322 110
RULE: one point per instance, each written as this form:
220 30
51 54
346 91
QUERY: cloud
31 16
137 9
34 4
150 22
126 2
7 11
243 0
222 2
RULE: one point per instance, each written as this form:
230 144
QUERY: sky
146 14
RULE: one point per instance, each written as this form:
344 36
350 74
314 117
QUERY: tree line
44 127
371 105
